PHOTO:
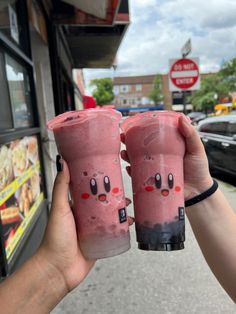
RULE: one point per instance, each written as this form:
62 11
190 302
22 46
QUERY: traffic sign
184 74
187 48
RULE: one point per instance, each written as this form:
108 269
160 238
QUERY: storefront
39 48
23 196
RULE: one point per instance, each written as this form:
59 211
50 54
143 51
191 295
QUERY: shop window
116 90
139 101
13 23
9 22
138 87
20 94
21 189
5 107
124 88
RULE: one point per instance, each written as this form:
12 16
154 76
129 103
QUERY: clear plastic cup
156 150
89 141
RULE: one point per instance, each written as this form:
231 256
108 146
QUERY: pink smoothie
89 141
156 149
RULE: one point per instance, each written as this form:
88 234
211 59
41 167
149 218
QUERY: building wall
45 102
134 97
125 99
133 91
80 92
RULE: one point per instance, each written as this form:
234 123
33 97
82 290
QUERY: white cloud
159 29
143 4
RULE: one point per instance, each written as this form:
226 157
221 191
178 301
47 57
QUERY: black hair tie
198 198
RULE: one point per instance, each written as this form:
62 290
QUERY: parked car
196 117
218 135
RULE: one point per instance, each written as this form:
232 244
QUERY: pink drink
89 141
156 149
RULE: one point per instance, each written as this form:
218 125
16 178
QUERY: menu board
20 189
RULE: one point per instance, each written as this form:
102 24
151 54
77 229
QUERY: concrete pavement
140 282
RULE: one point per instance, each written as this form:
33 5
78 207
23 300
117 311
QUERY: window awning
87 13
98 8
93 42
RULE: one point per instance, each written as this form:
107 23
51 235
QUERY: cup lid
142 118
70 118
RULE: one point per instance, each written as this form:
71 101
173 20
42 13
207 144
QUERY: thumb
60 194
193 142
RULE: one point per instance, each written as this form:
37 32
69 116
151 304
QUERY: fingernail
187 119
59 163
128 201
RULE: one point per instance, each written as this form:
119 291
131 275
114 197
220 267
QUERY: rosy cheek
115 190
149 188
177 188
85 196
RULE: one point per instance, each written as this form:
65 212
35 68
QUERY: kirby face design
100 188
164 183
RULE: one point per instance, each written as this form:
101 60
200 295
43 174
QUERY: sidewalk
229 192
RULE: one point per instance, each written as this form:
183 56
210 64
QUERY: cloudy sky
159 29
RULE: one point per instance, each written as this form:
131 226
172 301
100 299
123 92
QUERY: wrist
52 284
196 188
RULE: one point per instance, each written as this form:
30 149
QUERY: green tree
228 74
221 84
212 85
103 92
156 93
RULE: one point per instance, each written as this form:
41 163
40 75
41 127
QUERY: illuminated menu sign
20 189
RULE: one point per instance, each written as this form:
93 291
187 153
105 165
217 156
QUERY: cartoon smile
165 192
102 197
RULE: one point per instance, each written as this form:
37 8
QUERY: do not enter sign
184 74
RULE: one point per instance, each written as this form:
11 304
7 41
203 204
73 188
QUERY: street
139 282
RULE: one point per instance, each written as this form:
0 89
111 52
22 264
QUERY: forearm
214 224
35 288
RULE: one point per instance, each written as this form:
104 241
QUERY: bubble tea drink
156 149
89 141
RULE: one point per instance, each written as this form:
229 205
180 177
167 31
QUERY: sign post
186 49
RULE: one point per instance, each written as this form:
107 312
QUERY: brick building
133 91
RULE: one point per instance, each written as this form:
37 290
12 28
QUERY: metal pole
184 93
184 102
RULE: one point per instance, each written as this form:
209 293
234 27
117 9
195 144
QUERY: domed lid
70 118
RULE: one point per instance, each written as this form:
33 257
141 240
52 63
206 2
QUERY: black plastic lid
161 246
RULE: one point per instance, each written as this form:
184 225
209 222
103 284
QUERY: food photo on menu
20 183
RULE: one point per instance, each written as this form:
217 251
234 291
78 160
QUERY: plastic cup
89 141
156 149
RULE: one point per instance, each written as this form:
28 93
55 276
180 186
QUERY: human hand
60 246
197 177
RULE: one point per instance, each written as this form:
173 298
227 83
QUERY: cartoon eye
107 184
158 180
170 180
93 186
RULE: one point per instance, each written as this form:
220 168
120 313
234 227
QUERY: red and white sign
184 74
